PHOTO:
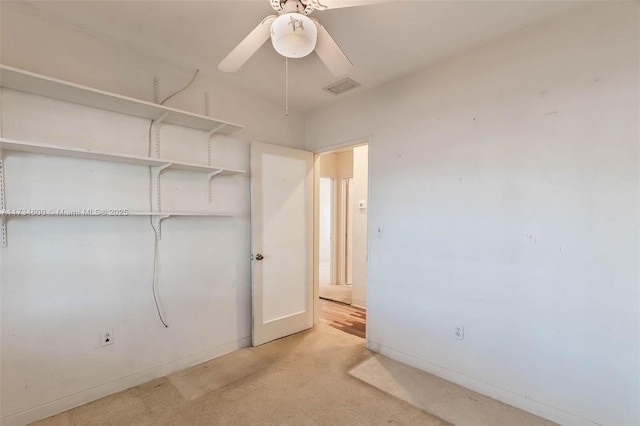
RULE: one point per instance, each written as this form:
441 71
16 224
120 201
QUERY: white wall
57 50
505 180
63 280
359 230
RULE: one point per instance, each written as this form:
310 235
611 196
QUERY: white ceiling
384 41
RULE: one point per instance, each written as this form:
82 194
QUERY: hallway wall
505 181
359 193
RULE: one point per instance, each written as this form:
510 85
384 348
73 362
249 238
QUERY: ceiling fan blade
247 47
330 53
336 4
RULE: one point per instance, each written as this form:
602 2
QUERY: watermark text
65 212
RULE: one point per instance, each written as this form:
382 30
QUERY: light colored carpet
339 293
298 380
444 399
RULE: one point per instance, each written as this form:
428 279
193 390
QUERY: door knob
259 256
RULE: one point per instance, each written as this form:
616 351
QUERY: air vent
342 86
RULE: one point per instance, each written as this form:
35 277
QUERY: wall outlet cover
458 331
106 337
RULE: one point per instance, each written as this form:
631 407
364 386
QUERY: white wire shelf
41 148
37 84
31 213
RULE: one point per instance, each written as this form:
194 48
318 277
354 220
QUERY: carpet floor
298 380
321 376
453 403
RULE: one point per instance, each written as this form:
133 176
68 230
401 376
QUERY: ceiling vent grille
342 86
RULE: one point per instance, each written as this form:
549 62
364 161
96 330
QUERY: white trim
316 238
503 395
367 333
359 304
123 383
365 140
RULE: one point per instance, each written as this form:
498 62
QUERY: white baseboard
515 400
71 401
359 303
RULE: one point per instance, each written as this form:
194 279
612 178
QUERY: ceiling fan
295 35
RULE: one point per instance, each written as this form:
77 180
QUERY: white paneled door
282 241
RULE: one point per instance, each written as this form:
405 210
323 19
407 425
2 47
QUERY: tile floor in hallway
343 317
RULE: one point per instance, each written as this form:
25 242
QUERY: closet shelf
40 148
25 81
223 214
76 213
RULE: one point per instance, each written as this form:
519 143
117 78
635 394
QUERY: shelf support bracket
155 186
209 142
210 176
3 205
155 197
216 129
156 131
156 222
156 90
161 119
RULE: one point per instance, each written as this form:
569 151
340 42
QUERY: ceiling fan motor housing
300 6
293 35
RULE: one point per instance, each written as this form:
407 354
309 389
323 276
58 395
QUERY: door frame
366 140
345 233
333 269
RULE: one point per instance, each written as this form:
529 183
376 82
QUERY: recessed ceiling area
384 41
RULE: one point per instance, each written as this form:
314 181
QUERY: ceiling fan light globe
293 35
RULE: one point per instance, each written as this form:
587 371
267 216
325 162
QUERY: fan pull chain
286 86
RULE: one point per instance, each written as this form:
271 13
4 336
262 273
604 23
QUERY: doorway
326 230
346 234
341 249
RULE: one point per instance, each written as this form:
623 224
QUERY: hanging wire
155 248
286 86
181 90
155 280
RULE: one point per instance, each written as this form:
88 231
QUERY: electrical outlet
458 331
106 337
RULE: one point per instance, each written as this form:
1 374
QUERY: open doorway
326 230
342 237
